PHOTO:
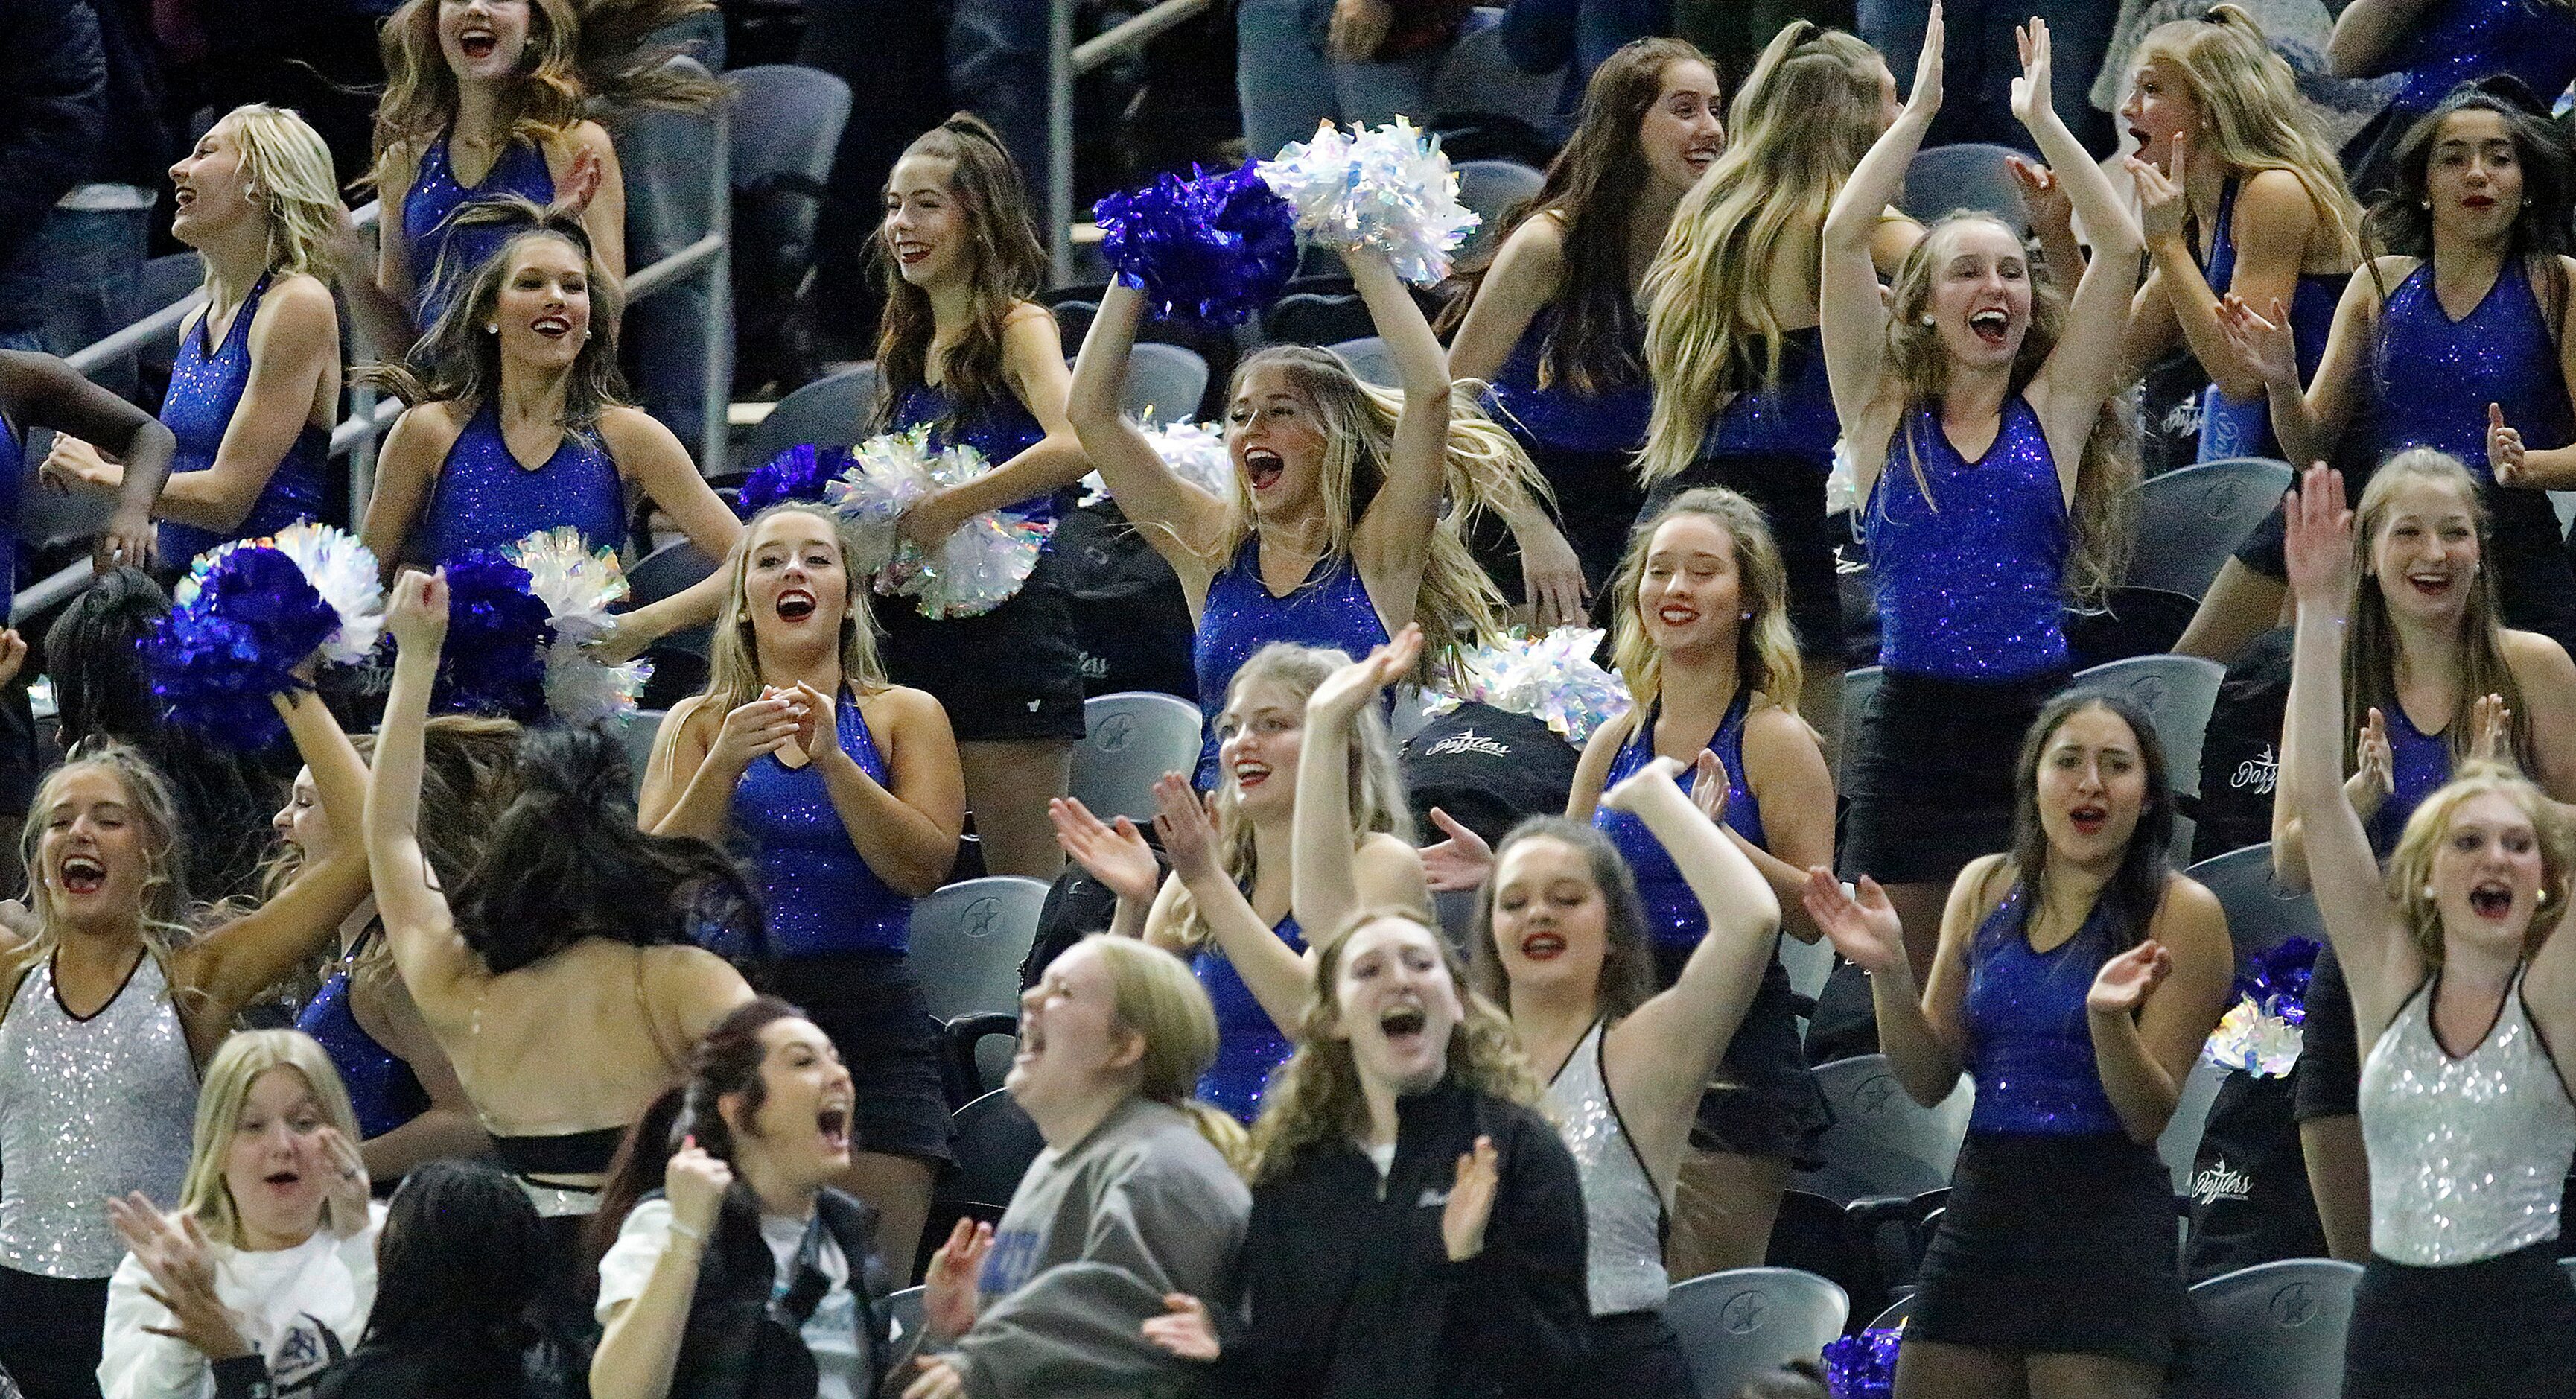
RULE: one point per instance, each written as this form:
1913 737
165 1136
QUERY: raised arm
1659 1059
647 453
1393 540
1279 977
419 929
1852 317
2086 366
1325 889
238 962
2380 962
44 392
1921 1033
1182 522
375 274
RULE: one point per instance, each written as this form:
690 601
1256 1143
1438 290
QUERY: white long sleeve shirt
301 1308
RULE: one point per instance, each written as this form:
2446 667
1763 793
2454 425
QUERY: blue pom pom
795 474
1214 248
243 623
497 632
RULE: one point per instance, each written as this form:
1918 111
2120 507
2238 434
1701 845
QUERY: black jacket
53 110
1351 1290
738 1343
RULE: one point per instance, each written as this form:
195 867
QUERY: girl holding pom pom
2075 980
966 351
1229 905
1993 482
112 1009
850 792
1731 336
1334 534
1551 320
256 385
517 422
561 975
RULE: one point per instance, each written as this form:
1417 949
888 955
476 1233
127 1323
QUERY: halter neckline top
444 257
1610 420
1330 608
1249 1044
2030 1045
206 386
821 896
1623 1209
486 497
2232 427
1970 557
1674 917
384 1093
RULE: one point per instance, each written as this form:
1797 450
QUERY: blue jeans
73 285
1287 83
1981 60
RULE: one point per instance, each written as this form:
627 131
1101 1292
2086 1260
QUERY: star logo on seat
1742 1313
2294 1305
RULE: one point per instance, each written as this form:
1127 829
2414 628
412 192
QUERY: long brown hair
2104 509
2137 888
1627 977
2401 221
1315 1097
1766 644
459 361
1592 189
2370 654
1006 266
1806 114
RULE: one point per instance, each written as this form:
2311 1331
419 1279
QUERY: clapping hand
2491 731
1184 1328
2263 348
2031 96
1115 853
2374 767
175 1253
2505 453
1862 924
950 1299
2126 981
1189 837
1471 1201
2161 205
1463 861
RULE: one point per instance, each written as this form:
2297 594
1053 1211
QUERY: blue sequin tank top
1793 416
444 257
1331 608
819 892
383 1091
206 385
1613 420
2457 41
1249 1045
2419 764
1673 913
1971 581
13 453
484 498
2030 1047
1003 430
2232 427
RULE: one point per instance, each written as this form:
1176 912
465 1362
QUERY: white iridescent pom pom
1550 678
576 582
1387 188
887 473
345 573
1194 451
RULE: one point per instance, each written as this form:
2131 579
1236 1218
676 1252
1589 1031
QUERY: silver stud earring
2429 895
492 328
1927 320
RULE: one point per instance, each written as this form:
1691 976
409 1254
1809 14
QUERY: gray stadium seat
1969 175
2275 1330
1859 684
1897 1314
2259 915
1368 359
1132 738
904 1310
1493 188
968 941
1808 964
1749 1321
2177 692
2190 521
830 412
635 732
1882 1142
994 1142
2178 1146
1164 381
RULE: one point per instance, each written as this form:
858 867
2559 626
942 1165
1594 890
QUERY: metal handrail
1066 61
369 417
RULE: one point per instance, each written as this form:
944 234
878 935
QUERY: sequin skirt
2056 1244
1929 772
2499 1328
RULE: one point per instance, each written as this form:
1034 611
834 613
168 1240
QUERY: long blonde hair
2370 652
1766 645
285 157
2410 866
244 1057
1806 114
1918 374
1376 783
1315 1097
1458 604
1155 997
167 909
2256 120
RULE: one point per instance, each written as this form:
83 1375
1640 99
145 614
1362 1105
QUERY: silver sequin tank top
2467 1156
1623 1212
89 1109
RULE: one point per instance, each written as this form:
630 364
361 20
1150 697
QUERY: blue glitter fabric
1003 430
795 474
1862 1366
444 257
1214 248
205 390
2458 41
1673 913
2432 377
1249 1045
494 661
485 498
383 1091
2232 427
819 892
2420 763
2029 1045
1331 608
1792 417
1971 581
1557 416
238 630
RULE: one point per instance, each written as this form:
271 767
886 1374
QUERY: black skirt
1764 1101
1635 1355
869 1005
2056 1244
2499 1328
1929 774
1012 674
2327 1081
